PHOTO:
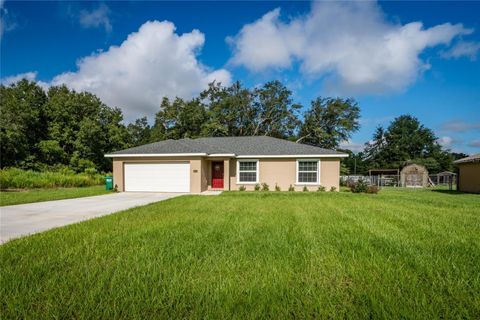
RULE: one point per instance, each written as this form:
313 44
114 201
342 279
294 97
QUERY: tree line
59 127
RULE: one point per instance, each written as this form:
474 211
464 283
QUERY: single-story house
468 178
224 163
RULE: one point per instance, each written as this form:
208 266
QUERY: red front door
217 174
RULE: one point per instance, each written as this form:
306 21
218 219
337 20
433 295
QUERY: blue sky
420 58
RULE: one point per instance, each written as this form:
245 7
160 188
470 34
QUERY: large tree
22 122
406 139
329 121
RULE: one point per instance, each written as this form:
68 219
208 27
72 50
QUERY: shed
468 178
414 175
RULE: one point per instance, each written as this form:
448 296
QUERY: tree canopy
62 127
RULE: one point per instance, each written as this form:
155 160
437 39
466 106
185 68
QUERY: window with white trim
248 171
307 171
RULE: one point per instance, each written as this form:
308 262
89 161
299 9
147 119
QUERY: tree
139 132
22 123
329 121
406 139
275 112
230 110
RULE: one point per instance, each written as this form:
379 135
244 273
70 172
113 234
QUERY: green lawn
37 195
398 254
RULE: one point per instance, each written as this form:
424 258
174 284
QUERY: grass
13 178
399 254
37 195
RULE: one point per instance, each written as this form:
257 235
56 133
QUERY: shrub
321 189
257 187
291 188
305 189
360 186
265 187
14 178
242 188
333 189
373 189
277 187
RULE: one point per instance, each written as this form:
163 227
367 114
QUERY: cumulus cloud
96 18
467 49
351 43
30 76
459 126
150 64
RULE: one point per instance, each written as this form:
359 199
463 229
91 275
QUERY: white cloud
459 126
467 49
351 43
30 76
7 21
150 64
352 146
96 18
447 141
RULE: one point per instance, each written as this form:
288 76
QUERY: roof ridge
211 146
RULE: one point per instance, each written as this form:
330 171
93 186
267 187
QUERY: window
247 171
307 171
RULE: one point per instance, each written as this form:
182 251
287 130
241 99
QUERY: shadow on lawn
454 192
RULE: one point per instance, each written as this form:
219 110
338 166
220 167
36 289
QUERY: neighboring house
224 163
468 178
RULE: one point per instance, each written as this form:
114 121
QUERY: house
468 177
224 163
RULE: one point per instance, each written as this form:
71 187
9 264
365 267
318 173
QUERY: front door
217 174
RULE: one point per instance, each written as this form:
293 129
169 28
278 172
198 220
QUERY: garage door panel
157 177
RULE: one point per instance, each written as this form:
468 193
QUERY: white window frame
318 173
257 172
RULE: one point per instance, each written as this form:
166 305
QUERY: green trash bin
108 183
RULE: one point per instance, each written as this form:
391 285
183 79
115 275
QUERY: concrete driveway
24 219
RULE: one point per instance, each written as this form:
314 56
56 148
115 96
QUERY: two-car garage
157 177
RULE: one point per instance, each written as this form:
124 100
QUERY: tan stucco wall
272 171
198 176
283 173
469 177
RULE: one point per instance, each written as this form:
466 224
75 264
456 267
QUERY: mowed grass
398 254
36 195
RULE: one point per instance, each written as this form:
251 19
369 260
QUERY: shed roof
472 158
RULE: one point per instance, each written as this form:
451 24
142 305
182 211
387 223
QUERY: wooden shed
414 176
469 174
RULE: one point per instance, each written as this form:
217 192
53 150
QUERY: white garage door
157 177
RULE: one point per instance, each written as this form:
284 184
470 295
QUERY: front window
307 171
248 171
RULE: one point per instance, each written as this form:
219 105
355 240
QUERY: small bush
265 187
333 189
277 187
321 189
257 187
242 188
373 189
360 186
305 189
291 188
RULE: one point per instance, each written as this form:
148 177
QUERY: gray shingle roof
240 146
